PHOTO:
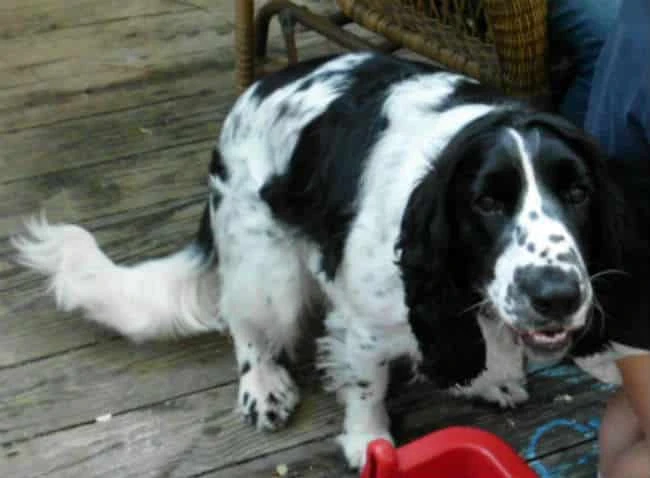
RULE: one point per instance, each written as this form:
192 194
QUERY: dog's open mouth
546 340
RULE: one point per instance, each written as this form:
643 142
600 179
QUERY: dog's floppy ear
426 236
432 267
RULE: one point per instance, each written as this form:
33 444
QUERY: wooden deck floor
107 114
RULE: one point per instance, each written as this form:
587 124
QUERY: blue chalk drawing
570 373
588 431
606 387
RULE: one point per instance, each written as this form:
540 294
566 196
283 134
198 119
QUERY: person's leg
618 111
633 462
578 28
619 432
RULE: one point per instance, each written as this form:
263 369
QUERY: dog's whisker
599 314
478 305
605 272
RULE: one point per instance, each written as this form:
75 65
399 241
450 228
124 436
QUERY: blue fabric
618 117
578 28
619 104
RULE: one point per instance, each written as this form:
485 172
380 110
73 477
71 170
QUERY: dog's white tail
166 297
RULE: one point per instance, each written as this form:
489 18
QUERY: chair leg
328 26
290 14
262 21
244 41
288 24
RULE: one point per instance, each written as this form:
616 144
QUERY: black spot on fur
283 110
569 257
245 368
363 384
522 235
544 253
556 238
204 238
245 398
306 84
530 247
272 416
253 413
217 166
283 359
215 199
533 215
272 399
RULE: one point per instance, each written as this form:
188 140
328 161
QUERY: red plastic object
454 452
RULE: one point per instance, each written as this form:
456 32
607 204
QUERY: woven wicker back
499 42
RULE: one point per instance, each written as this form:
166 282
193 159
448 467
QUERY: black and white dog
434 219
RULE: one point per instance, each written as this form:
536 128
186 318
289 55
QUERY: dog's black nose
552 292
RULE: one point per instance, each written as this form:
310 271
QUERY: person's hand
635 371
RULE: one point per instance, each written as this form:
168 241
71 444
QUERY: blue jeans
578 28
618 115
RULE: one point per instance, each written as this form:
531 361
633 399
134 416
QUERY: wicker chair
499 42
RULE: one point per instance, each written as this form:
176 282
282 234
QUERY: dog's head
514 218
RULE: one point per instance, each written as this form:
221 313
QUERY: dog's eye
488 205
577 194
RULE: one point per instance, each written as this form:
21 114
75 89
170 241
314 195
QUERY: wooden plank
107 188
152 127
31 17
318 459
96 93
127 44
30 327
119 135
138 129
322 459
198 434
131 39
178 438
107 89
75 388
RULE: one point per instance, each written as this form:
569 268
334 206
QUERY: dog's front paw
505 394
267 397
355 446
